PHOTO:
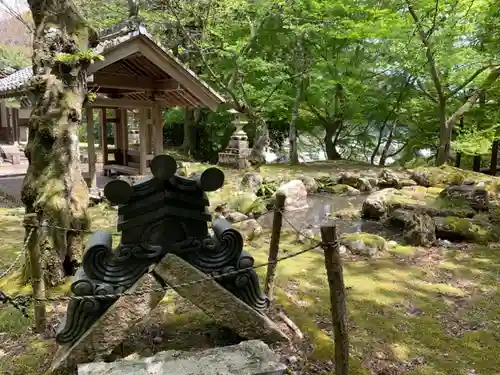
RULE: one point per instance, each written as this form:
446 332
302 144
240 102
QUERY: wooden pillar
118 126
91 147
124 140
3 115
143 141
157 130
104 135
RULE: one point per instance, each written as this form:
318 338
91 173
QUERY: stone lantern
237 152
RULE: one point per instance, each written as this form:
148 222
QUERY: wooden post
275 244
157 130
104 136
143 141
333 265
91 147
37 282
124 117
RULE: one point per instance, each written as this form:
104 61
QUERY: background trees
371 81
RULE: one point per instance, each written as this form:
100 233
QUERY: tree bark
187 143
385 152
330 147
53 187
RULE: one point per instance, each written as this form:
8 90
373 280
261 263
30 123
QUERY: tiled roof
15 84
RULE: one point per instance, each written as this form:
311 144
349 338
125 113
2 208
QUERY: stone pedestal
237 152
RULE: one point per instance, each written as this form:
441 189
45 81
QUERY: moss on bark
53 186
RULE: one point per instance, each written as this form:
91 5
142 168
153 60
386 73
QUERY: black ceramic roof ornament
166 213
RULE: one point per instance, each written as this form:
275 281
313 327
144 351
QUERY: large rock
96 196
296 195
310 184
419 229
476 197
388 179
376 204
463 229
360 183
248 358
364 244
217 302
247 203
252 182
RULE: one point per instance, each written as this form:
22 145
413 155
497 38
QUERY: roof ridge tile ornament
167 213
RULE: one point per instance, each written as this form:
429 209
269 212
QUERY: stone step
247 358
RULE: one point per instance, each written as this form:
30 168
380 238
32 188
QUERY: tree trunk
494 157
476 163
444 136
187 143
458 160
53 186
331 150
385 152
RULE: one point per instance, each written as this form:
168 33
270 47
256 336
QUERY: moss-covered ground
413 311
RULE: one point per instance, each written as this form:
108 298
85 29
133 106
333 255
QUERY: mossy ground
422 312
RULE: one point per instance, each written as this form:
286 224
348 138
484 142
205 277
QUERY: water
321 207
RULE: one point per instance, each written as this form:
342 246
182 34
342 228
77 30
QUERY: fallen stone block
113 327
217 302
247 358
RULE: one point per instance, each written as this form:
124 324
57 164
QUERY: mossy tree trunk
54 187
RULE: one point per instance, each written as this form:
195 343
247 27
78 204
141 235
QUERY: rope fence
328 242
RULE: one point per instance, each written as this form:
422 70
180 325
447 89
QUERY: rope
19 256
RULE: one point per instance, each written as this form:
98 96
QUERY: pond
321 207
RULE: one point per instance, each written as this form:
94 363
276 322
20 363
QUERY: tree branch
425 92
468 80
490 79
428 53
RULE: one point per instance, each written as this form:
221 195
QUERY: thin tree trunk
385 152
444 136
494 157
299 94
331 150
187 143
53 186
476 163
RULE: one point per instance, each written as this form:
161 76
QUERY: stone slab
217 302
113 327
247 358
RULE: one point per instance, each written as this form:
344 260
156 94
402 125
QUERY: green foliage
370 92
82 57
11 57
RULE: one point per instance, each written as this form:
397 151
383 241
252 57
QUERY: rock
391 244
235 217
247 358
376 204
310 184
422 178
250 228
296 195
457 229
217 302
357 182
419 228
365 244
387 179
342 189
182 169
96 196
342 250
252 182
304 235
247 203
406 183
445 243
476 197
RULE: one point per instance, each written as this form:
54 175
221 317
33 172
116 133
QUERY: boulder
476 197
422 178
364 244
310 184
235 217
247 203
250 228
252 182
342 189
355 181
419 229
388 179
296 195
459 229
376 204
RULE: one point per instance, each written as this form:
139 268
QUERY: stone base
248 358
112 328
233 160
217 302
